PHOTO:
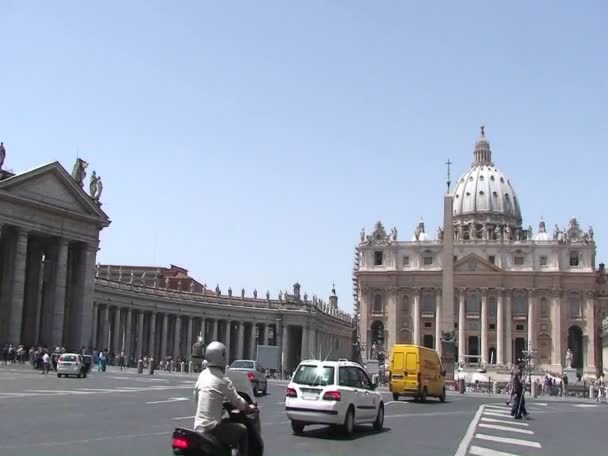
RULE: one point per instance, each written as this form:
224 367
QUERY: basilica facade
485 280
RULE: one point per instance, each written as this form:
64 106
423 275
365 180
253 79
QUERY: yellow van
417 372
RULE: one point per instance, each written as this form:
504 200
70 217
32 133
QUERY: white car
337 393
70 364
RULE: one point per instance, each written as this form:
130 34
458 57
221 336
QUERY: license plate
310 396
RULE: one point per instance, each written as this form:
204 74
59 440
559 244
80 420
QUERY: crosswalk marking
498 427
503 415
479 451
509 440
511 422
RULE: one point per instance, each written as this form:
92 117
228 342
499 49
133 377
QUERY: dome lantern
482 154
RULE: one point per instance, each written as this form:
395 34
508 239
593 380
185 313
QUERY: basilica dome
484 195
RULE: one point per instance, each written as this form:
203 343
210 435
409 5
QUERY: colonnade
161 334
46 288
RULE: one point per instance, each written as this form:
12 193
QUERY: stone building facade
49 230
52 293
496 287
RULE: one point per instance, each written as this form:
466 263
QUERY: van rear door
411 370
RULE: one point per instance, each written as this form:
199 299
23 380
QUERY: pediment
51 185
474 263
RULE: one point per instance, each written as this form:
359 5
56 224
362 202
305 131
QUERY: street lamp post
527 357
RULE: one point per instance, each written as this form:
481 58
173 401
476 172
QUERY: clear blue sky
250 142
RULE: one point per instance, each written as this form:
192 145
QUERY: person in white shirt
210 391
46 359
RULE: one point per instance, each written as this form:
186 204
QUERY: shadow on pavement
330 433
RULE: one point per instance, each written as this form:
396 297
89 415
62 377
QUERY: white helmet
216 355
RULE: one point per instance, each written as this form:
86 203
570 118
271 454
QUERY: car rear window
314 375
68 358
242 365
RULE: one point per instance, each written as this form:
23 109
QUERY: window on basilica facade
472 303
378 258
492 307
406 261
428 303
543 261
377 304
518 260
574 259
428 260
492 259
544 308
406 304
575 306
520 305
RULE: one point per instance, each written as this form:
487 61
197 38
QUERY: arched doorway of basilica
575 344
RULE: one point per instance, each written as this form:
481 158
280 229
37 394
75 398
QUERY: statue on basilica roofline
508 233
556 233
242 293
230 292
394 233
363 234
2 154
591 233
439 234
79 171
530 233
95 187
255 294
217 290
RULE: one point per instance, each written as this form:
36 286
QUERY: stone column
590 368
461 328
60 283
87 295
438 321
252 341
363 324
279 343
531 320
140 334
484 326
128 348
416 316
556 331
240 341
152 342
178 338
189 339
285 349
18 289
95 324
392 324
31 299
202 332
304 348
508 330
117 333
214 330
228 339
163 337
105 343
500 330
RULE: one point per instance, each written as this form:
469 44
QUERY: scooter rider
210 391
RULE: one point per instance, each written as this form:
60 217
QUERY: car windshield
68 358
314 375
242 365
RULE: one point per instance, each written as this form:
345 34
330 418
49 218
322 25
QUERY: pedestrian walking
46 362
518 409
